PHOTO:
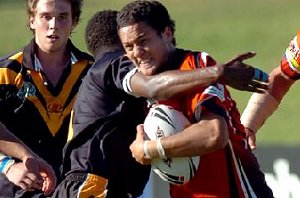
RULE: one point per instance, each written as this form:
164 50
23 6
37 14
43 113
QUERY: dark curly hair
101 31
153 13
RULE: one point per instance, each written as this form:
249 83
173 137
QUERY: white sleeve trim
126 81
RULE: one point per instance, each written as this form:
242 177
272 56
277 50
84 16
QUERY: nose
53 23
138 51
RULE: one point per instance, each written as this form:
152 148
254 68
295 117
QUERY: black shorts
81 185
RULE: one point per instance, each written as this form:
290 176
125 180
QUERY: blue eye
46 17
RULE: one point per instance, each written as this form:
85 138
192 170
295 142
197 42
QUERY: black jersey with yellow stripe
34 110
103 127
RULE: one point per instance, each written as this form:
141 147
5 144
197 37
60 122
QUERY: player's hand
251 137
33 173
241 76
44 172
137 146
19 174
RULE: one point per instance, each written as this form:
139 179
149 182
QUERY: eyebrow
48 13
136 39
139 37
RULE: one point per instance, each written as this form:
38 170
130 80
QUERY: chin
148 72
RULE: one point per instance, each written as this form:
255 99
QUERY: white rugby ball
163 121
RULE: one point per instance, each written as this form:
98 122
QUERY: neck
105 49
53 64
53 59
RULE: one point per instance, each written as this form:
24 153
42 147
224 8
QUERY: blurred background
223 29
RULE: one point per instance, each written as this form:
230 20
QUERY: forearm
12 146
279 84
199 139
208 135
174 83
261 106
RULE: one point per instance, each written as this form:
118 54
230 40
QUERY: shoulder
105 68
198 59
11 67
113 61
204 59
12 61
122 62
80 55
106 60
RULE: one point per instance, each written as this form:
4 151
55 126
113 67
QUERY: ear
74 24
168 34
31 23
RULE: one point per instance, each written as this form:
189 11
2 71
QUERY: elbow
222 140
154 92
219 136
159 90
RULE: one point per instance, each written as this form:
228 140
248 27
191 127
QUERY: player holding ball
227 166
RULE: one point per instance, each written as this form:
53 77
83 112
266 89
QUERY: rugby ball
163 121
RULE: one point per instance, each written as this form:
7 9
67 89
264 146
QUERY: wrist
258 109
146 150
160 149
27 156
154 149
5 164
150 150
249 132
219 73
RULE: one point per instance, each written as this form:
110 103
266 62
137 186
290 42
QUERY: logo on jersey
26 90
54 108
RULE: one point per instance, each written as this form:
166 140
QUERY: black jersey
34 110
104 125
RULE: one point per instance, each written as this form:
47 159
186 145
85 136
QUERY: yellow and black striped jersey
32 108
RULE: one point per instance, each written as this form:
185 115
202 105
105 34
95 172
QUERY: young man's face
145 47
52 24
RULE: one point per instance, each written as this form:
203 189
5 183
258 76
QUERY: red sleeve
290 63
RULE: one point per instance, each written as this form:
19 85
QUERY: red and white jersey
229 172
290 63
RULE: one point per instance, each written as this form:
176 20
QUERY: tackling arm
173 83
169 84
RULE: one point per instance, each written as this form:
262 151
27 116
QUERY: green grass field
223 28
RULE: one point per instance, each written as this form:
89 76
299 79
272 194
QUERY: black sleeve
92 101
121 68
